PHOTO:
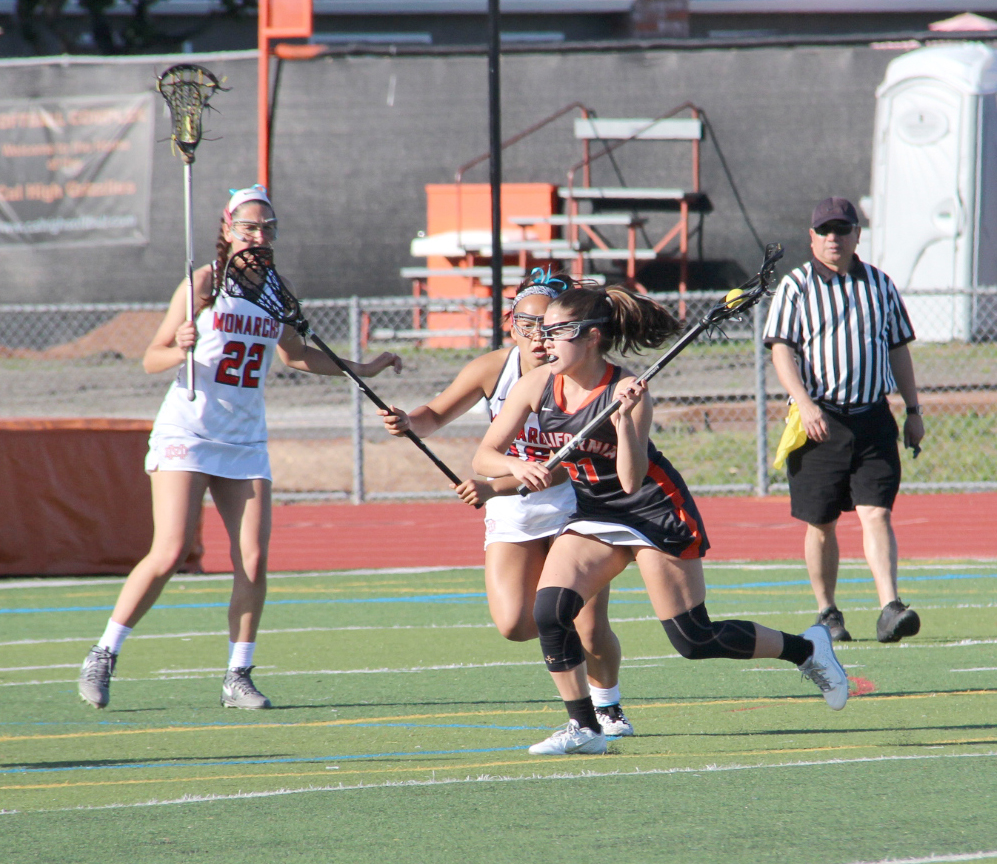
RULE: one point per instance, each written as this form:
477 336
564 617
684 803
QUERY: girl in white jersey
518 531
632 506
216 442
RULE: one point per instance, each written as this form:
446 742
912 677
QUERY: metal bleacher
590 230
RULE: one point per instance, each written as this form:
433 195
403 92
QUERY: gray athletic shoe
94 683
824 669
238 690
571 739
613 721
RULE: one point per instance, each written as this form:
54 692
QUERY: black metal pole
495 165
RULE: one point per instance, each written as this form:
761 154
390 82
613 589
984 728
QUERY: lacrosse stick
737 301
187 89
250 275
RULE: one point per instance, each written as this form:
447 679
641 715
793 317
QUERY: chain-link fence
326 440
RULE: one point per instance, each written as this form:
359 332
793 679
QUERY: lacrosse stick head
250 275
187 88
773 254
740 300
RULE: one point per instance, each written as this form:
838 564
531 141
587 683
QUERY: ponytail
638 321
223 248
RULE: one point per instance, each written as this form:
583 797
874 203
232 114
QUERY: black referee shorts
859 464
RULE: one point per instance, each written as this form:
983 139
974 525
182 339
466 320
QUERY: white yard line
560 776
32 668
934 859
483 626
171 675
43 582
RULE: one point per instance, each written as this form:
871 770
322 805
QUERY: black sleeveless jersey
662 508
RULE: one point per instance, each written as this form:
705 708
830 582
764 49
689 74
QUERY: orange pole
683 256
695 156
263 95
631 250
277 19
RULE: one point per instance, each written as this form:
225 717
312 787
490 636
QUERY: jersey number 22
235 354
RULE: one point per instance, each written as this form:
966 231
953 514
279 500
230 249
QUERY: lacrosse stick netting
187 90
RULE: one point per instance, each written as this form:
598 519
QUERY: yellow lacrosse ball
732 298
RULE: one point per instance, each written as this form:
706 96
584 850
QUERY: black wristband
914 409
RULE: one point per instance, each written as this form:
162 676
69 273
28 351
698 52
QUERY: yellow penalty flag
793 436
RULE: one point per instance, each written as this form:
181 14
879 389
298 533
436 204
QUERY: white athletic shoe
613 721
824 669
571 739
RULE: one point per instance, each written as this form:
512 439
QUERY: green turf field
402 721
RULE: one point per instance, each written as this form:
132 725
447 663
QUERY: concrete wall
356 138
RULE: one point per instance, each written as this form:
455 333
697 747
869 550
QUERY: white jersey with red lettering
512 518
223 431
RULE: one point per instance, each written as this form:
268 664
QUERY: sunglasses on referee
838 228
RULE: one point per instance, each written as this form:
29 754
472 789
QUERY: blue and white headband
543 284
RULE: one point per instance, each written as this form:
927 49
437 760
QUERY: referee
838 332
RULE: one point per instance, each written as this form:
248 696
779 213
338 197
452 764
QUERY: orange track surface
420 534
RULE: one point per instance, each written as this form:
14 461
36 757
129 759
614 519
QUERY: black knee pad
555 611
696 637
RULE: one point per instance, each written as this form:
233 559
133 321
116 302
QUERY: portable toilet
934 182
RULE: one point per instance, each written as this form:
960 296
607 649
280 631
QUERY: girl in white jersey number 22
519 531
216 442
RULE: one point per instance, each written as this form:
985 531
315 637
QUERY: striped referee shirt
843 329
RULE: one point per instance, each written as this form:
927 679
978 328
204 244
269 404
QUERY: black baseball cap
834 210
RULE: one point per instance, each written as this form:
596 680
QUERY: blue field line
211 764
431 598
941 577
477 597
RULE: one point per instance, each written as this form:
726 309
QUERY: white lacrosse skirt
609 532
175 449
515 519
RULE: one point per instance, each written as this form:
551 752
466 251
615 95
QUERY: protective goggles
267 229
839 229
568 331
527 326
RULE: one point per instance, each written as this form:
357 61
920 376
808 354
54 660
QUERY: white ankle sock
240 654
114 636
603 696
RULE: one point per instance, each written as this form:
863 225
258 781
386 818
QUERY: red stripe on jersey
593 395
658 475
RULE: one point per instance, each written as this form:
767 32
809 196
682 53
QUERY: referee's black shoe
897 621
832 618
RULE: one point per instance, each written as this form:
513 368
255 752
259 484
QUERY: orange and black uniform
662 509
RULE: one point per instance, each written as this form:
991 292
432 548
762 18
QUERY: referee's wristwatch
915 409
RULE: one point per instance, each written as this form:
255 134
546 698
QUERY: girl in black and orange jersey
632 505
